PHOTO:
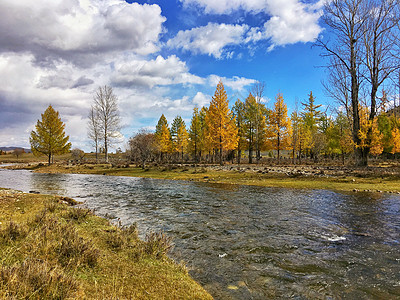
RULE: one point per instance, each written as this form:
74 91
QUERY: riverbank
49 249
384 178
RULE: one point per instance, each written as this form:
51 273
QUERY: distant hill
10 149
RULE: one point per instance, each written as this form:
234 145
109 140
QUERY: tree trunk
239 156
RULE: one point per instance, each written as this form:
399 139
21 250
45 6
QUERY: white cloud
235 83
78 30
290 21
201 99
227 6
160 71
210 39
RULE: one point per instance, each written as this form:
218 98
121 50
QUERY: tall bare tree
94 130
106 107
346 20
379 46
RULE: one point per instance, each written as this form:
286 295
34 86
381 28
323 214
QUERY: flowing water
243 242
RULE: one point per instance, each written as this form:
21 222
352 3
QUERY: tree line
217 133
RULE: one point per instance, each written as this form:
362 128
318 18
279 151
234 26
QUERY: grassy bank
375 180
49 250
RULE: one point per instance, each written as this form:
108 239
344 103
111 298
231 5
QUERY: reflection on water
252 242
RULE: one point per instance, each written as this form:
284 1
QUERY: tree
361 56
258 92
106 107
250 126
280 125
49 138
379 46
311 118
195 134
179 135
94 130
221 128
339 136
238 111
142 146
346 19
18 152
163 136
77 154
396 140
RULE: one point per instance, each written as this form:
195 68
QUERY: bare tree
379 45
94 130
18 152
142 147
105 105
346 19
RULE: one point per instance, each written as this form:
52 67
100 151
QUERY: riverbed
246 242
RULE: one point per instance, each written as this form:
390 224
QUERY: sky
159 56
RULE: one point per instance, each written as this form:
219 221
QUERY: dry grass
51 251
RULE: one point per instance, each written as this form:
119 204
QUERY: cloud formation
150 73
290 21
79 31
210 39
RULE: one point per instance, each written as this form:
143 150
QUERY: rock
34 192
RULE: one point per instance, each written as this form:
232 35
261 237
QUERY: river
245 242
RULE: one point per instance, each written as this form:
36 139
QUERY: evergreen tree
280 125
312 119
179 135
49 138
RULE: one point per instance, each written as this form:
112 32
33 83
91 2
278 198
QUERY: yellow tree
369 134
396 140
49 138
222 133
280 125
163 136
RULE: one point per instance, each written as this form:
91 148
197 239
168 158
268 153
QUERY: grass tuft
36 279
12 232
157 244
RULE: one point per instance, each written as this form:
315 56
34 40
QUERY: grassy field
49 250
339 183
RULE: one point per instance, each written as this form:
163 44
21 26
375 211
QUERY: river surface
243 242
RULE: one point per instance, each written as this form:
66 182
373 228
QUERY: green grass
49 250
338 183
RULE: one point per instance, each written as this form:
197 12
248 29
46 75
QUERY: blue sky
160 56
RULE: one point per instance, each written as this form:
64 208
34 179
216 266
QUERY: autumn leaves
216 131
